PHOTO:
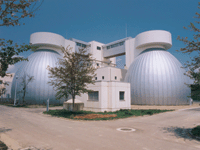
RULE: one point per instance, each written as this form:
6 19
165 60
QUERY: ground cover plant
88 115
3 146
196 131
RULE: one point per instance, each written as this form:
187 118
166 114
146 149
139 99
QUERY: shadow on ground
2 130
179 132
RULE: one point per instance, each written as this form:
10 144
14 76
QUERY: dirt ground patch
94 116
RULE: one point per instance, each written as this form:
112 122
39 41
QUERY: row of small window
94 95
103 78
81 45
115 45
84 46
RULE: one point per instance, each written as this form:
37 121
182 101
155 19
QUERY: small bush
3 146
196 131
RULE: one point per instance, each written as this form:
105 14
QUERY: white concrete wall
47 38
130 49
108 97
52 41
113 52
109 74
97 54
154 37
71 44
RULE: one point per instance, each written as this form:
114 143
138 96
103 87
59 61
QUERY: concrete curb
188 108
11 143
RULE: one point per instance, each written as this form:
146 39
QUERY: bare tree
25 80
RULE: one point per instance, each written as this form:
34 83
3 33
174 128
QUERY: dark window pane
121 95
78 44
98 48
94 96
83 45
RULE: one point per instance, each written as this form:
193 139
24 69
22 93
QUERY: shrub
196 131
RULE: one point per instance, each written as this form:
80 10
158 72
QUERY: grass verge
88 115
196 131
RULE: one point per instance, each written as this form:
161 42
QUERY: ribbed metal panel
39 90
156 78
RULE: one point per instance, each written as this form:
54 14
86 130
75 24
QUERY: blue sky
105 20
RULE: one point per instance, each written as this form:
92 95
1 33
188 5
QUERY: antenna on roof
126 30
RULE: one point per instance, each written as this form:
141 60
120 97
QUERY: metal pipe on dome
15 90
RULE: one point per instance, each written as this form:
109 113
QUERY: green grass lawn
119 114
196 131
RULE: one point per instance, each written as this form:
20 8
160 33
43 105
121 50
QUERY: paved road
165 131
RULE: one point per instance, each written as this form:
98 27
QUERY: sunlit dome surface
39 90
156 78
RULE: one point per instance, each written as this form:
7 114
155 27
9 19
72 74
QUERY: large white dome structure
38 91
155 75
157 78
47 54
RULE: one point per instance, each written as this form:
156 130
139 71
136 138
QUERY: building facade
148 66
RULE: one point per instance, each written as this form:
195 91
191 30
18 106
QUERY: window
121 43
97 64
121 95
95 78
93 96
102 77
115 45
115 77
83 45
98 48
78 44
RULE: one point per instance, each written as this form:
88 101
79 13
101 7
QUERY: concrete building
149 67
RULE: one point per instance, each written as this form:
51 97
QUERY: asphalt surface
165 131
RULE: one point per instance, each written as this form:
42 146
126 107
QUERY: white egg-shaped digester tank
38 91
155 75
